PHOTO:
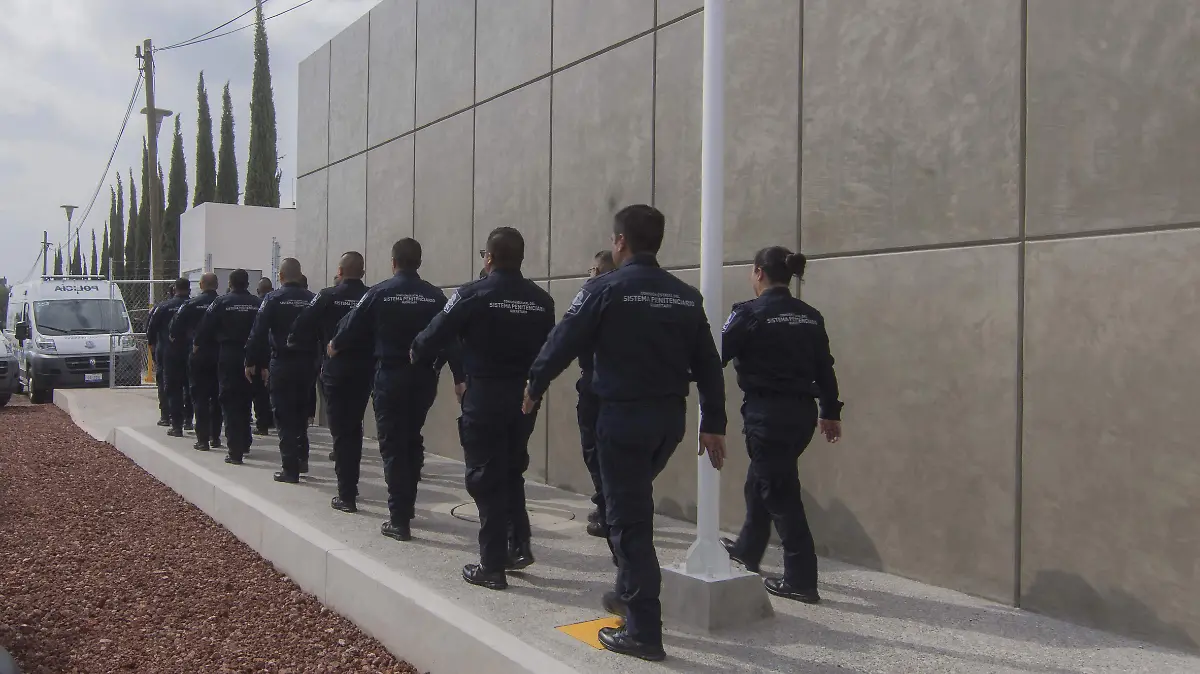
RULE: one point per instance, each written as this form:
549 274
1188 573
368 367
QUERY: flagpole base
703 604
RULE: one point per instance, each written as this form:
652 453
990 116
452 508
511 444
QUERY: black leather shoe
730 546
345 506
333 456
175 432
617 640
780 588
235 460
164 422
613 603
399 532
216 443
200 446
597 529
304 466
492 580
187 426
520 557
260 431
594 516
284 476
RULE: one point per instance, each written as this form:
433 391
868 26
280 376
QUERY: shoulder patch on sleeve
576 304
729 320
451 302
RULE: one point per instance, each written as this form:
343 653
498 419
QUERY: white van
62 327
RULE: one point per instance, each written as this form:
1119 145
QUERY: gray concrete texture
965 176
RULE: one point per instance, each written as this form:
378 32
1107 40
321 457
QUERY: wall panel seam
1022 169
416 56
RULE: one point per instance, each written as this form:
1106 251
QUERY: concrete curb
383 602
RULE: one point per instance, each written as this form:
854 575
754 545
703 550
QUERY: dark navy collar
292 284
407 274
353 282
507 273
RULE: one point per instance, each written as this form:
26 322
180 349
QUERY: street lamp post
67 241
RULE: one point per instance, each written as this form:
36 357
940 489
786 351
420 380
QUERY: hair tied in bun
795 263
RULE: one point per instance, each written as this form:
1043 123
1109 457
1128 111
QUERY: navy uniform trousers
176 384
289 383
634 441
346 404
236 394
778 429
404 393
205 386
495 440
586 411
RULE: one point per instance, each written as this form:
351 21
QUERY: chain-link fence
129 360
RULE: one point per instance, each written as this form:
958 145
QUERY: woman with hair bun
781 354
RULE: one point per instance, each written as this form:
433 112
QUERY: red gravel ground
104 569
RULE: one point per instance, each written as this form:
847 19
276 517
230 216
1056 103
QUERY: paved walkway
869 622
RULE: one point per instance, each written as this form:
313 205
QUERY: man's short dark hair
353 265
507 248
263 282
406 253
289 270
183 284
642 227
239 279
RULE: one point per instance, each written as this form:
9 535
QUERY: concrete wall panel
911 122
445 58
512 172
923 484
348 90
513 44
392 104
1111 472
677 119
347 215
673 9
603 117
389 204
312 222
584 27
1114 115
565 469
312 114
443 200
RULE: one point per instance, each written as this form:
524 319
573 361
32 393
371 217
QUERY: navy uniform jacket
276 314
388 319
187 321
649 336
318 323
780 347
158 328
227 322
501 320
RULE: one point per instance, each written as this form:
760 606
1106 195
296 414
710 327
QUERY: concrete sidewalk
869 622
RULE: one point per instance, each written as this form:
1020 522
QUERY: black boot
175 432
284 476
187 426
614 604
163 421
617 640
520 556
730 546
200 446
345 506
303 466
780 588
594 516
399 532
216 443
477 575
597 529
260 431
333 456
235 460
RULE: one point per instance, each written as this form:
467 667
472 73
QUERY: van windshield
80 317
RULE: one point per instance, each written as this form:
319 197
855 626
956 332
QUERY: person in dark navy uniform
225 328
346 378
781 354
171 356
384 324
502 321
650 338
160 379
202 364
264 419
586 410
286 371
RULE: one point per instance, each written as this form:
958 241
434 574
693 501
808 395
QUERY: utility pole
154 118
45 252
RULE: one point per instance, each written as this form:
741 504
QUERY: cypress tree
95 268
177 198
104 249
76 261
132 264
58 270
116 233
262 187
143 218
206 161
162 199
227 173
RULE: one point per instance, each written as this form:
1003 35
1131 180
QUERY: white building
223 237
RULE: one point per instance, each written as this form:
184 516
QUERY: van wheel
39 396
4 398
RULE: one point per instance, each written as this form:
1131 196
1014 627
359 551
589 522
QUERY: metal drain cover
541 515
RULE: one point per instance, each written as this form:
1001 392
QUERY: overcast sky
67 72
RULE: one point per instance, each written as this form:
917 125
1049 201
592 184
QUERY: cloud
69 72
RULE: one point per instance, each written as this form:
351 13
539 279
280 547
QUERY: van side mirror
21 331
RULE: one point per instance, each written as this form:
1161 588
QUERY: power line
210 32
235 30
